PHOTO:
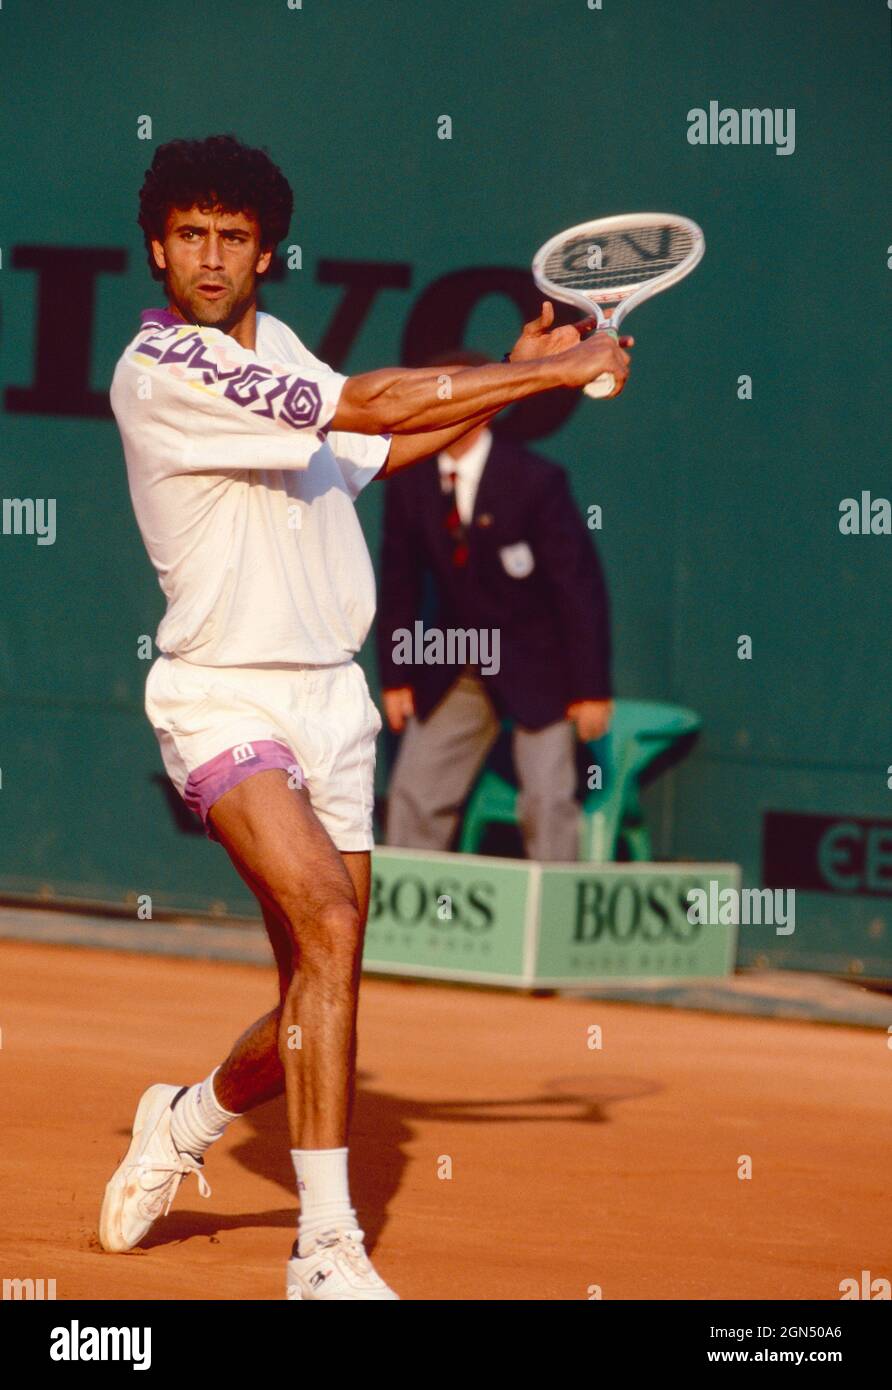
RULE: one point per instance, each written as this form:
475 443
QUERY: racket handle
604 384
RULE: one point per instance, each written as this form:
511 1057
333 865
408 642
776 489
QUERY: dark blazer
553 620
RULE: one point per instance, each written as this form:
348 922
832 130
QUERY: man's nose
213 251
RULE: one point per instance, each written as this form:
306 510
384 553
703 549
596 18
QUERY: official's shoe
337 1267
145 1182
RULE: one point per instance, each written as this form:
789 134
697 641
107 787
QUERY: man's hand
399 705
591 717
599 353
539 339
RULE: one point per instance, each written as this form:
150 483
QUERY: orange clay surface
571 1167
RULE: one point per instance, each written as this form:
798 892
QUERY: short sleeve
360 457
226 407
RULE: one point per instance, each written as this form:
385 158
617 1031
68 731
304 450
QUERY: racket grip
604 384
601 386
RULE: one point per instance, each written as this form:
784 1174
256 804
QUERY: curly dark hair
216 172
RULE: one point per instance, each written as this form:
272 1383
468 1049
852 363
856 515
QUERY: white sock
324 1194
198 1118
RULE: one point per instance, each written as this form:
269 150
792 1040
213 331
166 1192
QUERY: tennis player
245 454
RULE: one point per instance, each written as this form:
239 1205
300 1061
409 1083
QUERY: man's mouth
210 290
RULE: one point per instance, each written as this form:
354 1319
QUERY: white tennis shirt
244 499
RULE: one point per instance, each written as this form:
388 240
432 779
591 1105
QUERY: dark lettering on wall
362 281
66 302
438 320
826 853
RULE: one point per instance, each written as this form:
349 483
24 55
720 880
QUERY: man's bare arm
409 448
539 338
409 401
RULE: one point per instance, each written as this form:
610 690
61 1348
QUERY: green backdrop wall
720 515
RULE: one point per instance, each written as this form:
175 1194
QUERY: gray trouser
439 760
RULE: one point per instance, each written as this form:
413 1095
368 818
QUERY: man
244 456
510 555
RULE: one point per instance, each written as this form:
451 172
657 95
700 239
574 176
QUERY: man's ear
158 253
263 262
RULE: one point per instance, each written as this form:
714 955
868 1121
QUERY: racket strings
631 257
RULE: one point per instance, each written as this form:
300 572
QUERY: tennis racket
618 261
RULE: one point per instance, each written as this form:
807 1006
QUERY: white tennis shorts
218 725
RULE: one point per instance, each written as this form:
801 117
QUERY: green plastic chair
641 731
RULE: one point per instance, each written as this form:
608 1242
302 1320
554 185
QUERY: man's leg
275 839
253 1073
174 1127
545 761
283 853
436 766
320 897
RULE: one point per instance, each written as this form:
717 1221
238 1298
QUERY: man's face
211 260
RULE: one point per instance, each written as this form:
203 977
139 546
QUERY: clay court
571 1167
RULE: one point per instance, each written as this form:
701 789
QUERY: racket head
617 262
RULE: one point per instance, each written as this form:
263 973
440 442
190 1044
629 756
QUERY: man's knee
328 939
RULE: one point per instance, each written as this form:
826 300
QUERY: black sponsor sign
827 854
625 910
412 900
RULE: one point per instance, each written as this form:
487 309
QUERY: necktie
455 527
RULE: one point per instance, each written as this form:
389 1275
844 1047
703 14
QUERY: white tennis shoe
336 1268
144 1184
